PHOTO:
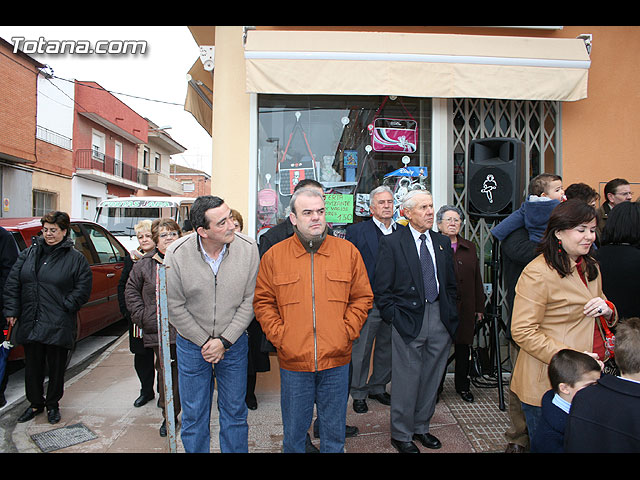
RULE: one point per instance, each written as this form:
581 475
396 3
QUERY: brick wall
18 90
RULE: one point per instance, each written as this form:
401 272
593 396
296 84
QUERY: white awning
416 65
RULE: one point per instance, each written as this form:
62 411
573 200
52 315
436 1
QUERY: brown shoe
514 448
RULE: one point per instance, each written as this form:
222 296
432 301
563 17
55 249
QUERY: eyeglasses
168 234
451 220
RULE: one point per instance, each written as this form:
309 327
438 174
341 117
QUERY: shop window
329 139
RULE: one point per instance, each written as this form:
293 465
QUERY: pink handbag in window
394 134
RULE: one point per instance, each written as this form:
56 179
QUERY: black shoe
142 399
466 395
350 431
427 440
310 447
163 429
29 413
53 415
360 406
405 447
252 402
384 398
3 400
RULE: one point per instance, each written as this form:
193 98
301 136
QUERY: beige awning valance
416 65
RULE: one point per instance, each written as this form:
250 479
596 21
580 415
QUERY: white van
120 215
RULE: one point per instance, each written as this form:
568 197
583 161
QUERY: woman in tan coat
558 303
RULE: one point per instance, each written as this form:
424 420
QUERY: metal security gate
535 123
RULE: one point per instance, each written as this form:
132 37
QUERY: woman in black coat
470 301
46 287
619 258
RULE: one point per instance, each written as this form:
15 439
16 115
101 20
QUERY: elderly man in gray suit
415 290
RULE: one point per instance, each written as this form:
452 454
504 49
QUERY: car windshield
121 220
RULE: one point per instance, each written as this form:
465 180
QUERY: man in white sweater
211 277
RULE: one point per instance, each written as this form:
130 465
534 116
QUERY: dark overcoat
398 288
470 289
46 300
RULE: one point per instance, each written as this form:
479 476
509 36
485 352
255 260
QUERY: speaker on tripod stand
496 184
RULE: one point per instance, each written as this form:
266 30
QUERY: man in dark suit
364 236
415 290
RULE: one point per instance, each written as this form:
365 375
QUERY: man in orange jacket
311 299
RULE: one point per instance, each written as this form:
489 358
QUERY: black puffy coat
46 301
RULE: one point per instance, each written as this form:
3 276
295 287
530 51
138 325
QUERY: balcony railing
52 137
89 159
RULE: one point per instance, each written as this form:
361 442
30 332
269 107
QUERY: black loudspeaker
496 177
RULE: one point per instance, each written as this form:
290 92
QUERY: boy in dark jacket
605 417
569 372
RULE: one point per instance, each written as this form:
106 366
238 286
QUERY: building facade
573 107
155 159
18 108
193 182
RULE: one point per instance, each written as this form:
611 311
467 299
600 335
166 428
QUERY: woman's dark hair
623 225
199 210
566 216
61 219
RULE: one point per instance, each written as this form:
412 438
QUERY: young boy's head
547 185
571 371
627 347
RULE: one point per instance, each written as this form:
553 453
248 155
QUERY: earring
559 246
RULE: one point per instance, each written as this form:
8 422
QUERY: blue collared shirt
214 263
561 403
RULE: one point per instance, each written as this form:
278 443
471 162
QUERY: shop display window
349 144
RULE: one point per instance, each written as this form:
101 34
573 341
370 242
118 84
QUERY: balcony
97 166
162 183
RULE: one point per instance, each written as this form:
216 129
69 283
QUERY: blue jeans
532 415
329 391
197 379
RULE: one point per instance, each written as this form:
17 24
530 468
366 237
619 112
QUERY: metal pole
165 354
494 314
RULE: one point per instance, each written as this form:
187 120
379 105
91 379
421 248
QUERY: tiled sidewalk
100 398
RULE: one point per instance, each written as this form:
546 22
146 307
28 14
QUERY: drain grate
63 437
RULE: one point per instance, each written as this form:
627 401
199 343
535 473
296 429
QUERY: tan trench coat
547 317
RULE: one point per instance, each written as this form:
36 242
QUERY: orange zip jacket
312 306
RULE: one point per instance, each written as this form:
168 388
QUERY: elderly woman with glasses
46 287
470 301
140 296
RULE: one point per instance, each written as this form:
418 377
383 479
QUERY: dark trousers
174 379
37 356
462 353
144 364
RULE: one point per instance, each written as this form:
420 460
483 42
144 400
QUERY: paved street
98 417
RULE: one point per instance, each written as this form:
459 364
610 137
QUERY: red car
106 258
